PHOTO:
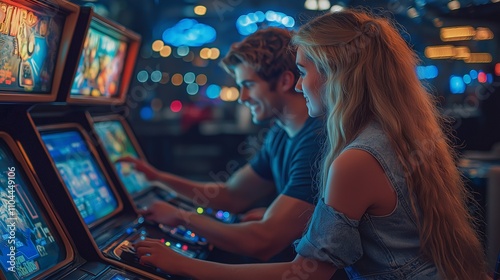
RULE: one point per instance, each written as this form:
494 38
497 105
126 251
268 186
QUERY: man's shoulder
313 131
276 133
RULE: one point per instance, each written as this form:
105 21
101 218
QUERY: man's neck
293 116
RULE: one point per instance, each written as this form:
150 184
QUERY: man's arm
284 221
237 194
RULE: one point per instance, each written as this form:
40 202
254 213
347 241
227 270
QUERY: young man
264 69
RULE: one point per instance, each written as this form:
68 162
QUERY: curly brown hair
266 51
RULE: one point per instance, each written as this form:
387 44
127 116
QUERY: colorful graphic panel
100 67
29 43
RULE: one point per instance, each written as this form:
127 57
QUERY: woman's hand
154 252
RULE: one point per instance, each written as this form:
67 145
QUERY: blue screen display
117 144
81 174
28 246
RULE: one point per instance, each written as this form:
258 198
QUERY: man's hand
149 171
164 213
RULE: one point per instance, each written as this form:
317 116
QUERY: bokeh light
177 79
176 106
201 79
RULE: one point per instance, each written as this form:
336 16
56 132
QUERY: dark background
211 136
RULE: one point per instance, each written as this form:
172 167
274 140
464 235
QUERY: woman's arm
357 184
157 254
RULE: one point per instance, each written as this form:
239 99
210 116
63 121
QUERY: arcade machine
34 244
90 84
117 140
95 211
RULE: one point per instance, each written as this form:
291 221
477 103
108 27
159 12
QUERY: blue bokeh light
427 72
457 85
473 74
192 89
213 91
489 78
467 79
248 24
189 32
147 113
142 76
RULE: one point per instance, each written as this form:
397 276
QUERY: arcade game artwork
101 65
29 43
28 245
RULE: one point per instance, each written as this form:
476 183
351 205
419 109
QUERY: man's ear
286 81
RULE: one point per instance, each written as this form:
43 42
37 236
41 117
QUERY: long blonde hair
370 74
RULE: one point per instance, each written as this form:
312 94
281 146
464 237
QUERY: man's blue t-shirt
291 162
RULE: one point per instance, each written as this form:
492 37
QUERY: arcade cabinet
117 140
35 244
95 210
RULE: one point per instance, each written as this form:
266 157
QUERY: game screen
28 246
101 65
81 174
117 144
29 44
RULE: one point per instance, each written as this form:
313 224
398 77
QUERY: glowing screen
117 144
29 44
81 174
28 246
100 67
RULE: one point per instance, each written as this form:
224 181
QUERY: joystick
129 254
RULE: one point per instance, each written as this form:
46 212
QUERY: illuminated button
199 210
219 214
168 244
184 247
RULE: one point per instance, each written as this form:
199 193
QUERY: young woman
393 205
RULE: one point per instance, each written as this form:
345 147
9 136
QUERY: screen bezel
52 221
116 31
65 9
64 127
132 138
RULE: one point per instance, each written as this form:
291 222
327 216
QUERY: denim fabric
341 249
375 247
